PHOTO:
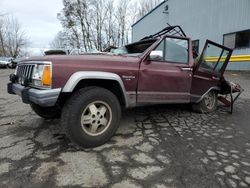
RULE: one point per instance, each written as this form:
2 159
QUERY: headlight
41 76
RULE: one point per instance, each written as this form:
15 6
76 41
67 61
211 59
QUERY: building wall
200 19
150 24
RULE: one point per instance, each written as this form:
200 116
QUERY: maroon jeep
88 91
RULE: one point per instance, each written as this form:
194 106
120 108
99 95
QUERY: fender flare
84 75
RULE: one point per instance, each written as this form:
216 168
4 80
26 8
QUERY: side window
214 58
176 50
195 46
158 53
171 50
239 39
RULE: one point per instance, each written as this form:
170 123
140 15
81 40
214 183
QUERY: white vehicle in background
4 61
8 62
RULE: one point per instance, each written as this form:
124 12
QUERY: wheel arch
107 80
216 88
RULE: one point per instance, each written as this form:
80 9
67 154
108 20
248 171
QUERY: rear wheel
91 116
207 104
46 112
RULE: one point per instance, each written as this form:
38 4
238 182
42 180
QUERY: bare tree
69 24
2 45
75 20
121 16
12 37
60 41
145 6
97 24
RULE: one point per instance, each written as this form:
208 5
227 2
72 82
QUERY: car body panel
65 66
144 81
3 63
165 82
205 78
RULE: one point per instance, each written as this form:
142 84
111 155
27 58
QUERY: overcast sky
37 17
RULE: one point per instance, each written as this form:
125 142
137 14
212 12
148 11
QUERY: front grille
24 73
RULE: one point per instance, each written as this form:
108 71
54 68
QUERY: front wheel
91 116
207 104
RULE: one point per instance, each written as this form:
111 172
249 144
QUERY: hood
64 66
86 59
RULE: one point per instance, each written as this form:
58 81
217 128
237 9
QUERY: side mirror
156 55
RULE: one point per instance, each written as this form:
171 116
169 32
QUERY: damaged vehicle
89 91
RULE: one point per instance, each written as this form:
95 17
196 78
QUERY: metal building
223 21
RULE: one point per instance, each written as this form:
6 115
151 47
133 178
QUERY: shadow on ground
158 146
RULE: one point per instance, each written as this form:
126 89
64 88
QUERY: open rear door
209 69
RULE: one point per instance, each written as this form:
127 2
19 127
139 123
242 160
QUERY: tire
3 67
207 104
91 116
46 112
11 65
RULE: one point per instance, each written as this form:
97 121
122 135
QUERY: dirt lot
162 146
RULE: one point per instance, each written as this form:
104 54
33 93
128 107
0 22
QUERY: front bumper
29 95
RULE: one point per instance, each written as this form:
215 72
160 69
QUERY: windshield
134 49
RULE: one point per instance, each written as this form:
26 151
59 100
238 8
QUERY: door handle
186 69
215 78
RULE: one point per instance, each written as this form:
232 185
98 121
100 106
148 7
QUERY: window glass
176 50
173 50
229 40
237 40
214 58
242 39
221 61
195 46
160 50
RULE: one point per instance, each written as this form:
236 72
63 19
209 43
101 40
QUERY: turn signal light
46 78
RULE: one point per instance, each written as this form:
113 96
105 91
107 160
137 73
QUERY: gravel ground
160 146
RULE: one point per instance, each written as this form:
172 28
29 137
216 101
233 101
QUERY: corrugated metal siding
200 19
150 24
210 19
239 66
242 51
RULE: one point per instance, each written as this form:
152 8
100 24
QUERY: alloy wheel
96 118
210 100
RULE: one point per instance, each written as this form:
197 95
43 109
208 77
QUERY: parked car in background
88 91
4 61
8 62
12 63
